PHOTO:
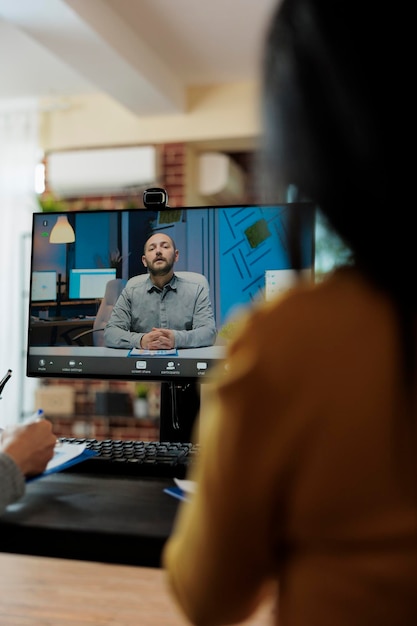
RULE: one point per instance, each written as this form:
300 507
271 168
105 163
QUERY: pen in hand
35 417
4 380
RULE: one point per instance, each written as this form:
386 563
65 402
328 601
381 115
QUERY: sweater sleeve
218 559
12 482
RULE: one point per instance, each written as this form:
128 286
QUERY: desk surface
65 321
40 591
121 520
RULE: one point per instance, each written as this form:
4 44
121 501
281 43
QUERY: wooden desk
38 591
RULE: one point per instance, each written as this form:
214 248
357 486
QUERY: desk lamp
62 232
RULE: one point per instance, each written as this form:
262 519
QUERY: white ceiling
142 53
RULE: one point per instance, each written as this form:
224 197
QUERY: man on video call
164 311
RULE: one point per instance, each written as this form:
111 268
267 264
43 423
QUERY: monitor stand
180 404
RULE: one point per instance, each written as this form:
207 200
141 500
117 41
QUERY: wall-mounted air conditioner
101 171
221 178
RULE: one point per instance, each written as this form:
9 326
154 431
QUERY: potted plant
140 402
116 260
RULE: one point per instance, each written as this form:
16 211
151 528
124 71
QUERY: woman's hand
31 446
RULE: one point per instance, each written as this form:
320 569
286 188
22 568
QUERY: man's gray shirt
183 305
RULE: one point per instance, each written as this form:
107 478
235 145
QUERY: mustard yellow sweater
307 477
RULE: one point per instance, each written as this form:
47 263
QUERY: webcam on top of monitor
155 198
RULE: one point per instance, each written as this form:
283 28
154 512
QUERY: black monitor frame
228 244
225 258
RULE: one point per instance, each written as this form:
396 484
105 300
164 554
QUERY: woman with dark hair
307 479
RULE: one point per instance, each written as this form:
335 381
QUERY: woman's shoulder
313 311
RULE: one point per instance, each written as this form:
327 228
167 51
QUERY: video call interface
242 251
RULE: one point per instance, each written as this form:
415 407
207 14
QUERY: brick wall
173 178
100 427
78 416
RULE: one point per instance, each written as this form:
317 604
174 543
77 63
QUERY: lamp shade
62 232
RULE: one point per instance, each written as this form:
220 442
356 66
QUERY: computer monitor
44 286
89 283
243 252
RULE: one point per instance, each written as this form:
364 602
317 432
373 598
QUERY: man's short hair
156 233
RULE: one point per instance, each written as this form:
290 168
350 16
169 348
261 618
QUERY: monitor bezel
70 363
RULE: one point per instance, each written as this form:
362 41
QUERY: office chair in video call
113 290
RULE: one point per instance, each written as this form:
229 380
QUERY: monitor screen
241 252
44 286
89 283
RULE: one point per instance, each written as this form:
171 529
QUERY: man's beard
161 271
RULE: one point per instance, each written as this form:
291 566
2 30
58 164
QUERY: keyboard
136 458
